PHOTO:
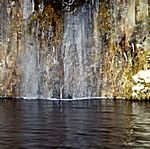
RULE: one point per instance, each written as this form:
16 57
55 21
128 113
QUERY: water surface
85 124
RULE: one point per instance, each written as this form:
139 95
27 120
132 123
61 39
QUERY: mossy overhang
59 4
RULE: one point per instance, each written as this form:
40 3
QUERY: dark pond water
86 124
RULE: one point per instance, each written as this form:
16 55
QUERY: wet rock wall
67 49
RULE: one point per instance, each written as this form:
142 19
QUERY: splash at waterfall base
75 49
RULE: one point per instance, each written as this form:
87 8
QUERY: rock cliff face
72 48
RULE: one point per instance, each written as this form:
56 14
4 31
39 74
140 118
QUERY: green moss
1 93
127 82
47 21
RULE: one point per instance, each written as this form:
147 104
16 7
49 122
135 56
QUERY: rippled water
85 124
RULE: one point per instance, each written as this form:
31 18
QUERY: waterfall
29 58
78 47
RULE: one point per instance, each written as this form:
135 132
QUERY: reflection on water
86 124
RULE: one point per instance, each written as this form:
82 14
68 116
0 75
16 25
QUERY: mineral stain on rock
72 48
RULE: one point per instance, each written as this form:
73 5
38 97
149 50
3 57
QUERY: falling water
29 60
79 51
78 48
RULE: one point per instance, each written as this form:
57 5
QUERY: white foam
74 99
